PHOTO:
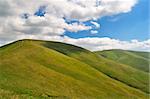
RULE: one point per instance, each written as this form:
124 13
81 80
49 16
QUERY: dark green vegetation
42 69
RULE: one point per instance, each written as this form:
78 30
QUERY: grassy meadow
34 69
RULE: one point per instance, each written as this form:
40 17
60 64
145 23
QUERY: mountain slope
124 73
138 60
29 68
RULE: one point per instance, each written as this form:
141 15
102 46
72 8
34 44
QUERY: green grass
4 94
37 69
138 60
124 73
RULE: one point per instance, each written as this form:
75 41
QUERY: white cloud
56 10
96 24
75 27
95 43
94 32
50 27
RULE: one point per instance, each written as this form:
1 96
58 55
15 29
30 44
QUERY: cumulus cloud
18 21
53 23
96 43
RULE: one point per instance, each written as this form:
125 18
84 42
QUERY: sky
92 24
124 26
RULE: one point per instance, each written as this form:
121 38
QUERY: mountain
126 74
46 69
138 60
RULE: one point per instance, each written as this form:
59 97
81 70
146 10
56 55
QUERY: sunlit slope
29 69
138 60
5 94
124 73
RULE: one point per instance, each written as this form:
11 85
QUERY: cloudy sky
92 24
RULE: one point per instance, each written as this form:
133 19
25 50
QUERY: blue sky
126 26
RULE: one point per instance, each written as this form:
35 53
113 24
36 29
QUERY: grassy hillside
124 73
5 94
138 60
35 69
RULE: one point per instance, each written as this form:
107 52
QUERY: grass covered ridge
138 60
40 69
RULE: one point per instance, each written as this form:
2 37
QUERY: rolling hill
126 74
45 69
138 60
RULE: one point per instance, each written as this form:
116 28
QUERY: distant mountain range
35 69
